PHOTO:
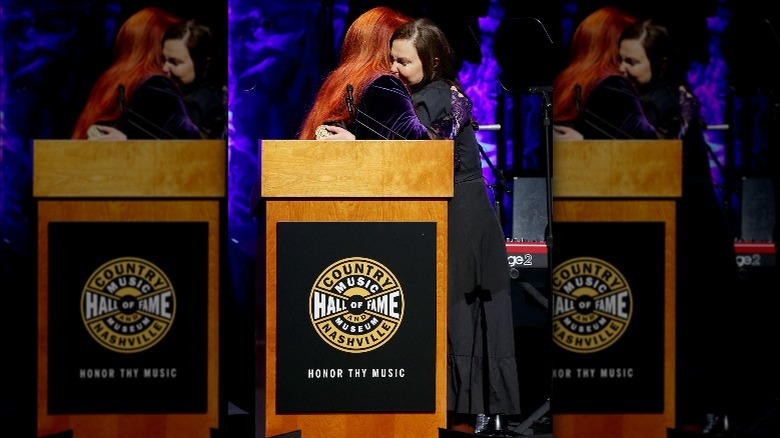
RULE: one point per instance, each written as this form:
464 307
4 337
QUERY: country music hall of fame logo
128 305
356 305
592 305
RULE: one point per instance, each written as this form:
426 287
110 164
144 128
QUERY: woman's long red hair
137 50
593 56
365 54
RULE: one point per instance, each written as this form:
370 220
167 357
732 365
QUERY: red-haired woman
590 95
153 106
364 64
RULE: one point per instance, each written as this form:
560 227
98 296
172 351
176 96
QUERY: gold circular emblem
592 305
128 305
356 305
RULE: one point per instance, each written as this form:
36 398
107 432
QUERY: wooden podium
602 189
345 191
128 286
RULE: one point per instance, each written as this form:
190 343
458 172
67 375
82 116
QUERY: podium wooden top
130 168
617 169
356 168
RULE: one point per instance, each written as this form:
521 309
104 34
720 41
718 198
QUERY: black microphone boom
354 112
128 114
578 97
121 99
586 113
350 101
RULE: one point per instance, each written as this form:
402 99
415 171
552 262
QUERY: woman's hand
329 132
103 132
561 132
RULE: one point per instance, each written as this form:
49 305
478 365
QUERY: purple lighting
709 85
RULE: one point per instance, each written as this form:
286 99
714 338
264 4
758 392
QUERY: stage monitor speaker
529 270
758 209
529 209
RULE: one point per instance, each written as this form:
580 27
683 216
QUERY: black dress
482 369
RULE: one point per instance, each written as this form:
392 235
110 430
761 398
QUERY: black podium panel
127 317
356 317
607 317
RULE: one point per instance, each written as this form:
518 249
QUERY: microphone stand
548 235
542 37
545 91
499 182
547 123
